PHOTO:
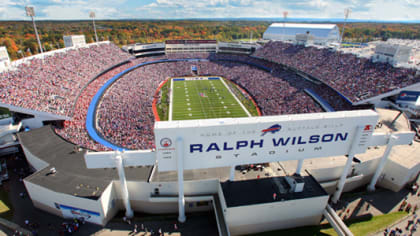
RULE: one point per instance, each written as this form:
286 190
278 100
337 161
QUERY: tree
10 44
31 44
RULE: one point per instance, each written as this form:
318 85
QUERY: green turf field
203 99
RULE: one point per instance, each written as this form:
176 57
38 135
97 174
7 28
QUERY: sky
388 10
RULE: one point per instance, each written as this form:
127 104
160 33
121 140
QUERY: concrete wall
327 174
278 215
395 176
37 163
46 199
365 168
140 195
109 203
222 198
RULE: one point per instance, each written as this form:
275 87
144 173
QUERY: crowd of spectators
74 130
354 77
51 84
125 115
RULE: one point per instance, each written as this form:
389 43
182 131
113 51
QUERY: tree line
20 40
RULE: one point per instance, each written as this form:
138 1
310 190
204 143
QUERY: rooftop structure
74 41
322 34
394 54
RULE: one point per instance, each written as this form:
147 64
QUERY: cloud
412 3
12 9
78 11
164 9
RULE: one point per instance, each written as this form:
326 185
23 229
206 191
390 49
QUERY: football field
203 98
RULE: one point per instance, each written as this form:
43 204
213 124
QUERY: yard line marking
201 104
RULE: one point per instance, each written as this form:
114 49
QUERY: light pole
285 13
93 15
31 12
346 15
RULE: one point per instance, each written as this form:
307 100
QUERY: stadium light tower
93 15
285 13
347 12
31 12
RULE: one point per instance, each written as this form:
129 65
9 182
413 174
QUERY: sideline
234 96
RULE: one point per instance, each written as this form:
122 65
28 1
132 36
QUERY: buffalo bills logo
165 142
367 128
403 95
272 129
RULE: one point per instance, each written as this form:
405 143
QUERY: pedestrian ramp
336 222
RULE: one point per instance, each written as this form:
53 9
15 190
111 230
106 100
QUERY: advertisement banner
73 212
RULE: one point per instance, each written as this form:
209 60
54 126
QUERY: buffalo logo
165 142
272 129
403 95
368 128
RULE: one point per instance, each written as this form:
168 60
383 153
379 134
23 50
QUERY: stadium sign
236 141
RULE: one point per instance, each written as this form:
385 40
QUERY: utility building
322 34
394 54
74 41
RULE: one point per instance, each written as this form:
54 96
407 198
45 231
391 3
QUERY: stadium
97 123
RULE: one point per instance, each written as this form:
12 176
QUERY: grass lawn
360 226
203 99
6 210
372 224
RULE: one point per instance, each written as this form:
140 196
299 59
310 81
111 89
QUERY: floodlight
347 12
93 15
30 11
285 13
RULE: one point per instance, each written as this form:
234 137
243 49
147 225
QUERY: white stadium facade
317 136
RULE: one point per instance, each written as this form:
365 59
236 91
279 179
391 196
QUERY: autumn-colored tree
22 35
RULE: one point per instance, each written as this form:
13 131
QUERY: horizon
262 19
317 10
